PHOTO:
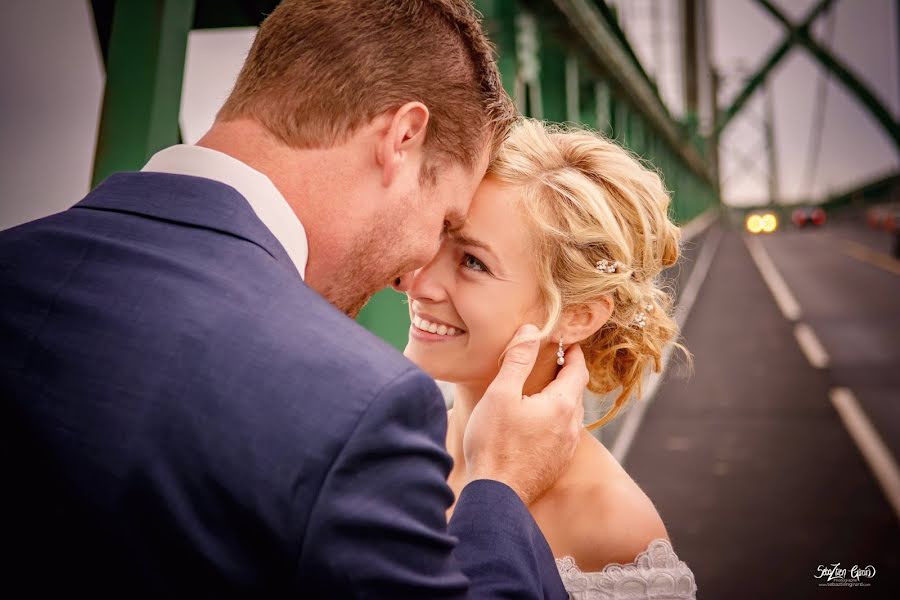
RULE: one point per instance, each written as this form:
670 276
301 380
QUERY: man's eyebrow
455 221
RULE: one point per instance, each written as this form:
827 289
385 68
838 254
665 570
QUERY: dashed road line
785 300
811 346
869 443
871 446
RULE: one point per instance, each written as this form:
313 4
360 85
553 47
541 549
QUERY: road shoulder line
635 414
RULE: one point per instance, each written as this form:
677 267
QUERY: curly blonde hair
590 200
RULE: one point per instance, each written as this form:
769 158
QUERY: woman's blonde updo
590 200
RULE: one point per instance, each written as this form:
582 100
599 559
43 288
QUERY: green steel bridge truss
800 35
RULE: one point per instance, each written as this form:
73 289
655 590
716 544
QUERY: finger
579 415
572 379
517 364
576 425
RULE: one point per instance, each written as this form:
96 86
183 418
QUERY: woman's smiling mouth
429 325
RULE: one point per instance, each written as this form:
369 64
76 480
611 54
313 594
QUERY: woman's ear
580 322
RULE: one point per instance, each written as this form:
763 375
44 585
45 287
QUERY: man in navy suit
187 408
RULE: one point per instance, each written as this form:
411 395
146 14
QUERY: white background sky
52 78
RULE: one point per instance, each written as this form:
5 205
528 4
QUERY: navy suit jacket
183 416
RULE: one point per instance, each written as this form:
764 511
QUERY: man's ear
402 142
580 322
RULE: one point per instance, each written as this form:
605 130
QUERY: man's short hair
319 69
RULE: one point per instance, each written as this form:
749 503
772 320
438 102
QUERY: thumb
517 363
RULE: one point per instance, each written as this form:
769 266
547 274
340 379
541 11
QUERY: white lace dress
656 573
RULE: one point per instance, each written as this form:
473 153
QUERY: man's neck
291 171
303 176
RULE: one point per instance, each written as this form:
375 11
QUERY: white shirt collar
262 195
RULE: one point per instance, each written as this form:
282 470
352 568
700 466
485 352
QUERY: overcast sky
853 147
53 79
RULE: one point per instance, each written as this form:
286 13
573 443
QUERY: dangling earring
560 355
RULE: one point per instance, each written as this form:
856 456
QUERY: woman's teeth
430 327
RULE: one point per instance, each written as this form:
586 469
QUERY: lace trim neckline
658 548
658 559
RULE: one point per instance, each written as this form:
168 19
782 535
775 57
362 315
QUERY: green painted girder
876 191
144 72
208 14
553 75
606 49
610 15
770 63
499 25
147 40
843 74
211 14
103 14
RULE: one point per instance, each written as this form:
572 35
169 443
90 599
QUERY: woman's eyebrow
465 240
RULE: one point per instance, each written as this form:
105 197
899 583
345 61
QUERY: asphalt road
841 278
747 460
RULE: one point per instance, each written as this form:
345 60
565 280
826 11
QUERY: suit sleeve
378 528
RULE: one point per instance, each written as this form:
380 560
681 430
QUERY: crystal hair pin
640 319
604 266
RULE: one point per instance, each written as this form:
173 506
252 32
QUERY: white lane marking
780 291
811 346
635 414
869 443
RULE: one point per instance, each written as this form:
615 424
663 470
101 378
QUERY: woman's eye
470 262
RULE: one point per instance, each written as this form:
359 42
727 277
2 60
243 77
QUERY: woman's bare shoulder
621 526
600 515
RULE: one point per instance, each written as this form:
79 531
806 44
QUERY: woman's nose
406 280
428 283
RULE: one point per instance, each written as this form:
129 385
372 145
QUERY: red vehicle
884 217
808 215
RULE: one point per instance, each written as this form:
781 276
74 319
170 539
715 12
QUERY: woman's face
477 291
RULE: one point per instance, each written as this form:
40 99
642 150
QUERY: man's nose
402 283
